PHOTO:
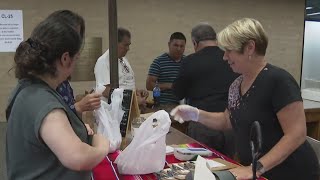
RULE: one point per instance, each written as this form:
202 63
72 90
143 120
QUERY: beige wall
152 21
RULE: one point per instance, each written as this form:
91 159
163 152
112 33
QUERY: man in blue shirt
165 68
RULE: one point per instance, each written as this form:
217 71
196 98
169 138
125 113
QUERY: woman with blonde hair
263 93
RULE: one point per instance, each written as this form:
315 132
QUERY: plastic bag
108 118
147 151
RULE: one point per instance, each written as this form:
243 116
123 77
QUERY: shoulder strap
24 84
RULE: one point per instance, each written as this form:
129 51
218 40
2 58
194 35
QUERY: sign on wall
11 30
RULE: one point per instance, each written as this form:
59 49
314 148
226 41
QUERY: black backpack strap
24 84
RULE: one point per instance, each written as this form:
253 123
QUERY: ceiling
312 10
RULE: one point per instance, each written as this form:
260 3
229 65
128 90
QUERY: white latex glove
183 113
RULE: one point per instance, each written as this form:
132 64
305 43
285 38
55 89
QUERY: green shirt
27 156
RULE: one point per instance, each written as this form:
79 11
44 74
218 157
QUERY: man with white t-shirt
126 74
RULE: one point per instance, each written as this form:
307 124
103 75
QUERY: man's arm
102 75
153 75
88 103
180 85
151 83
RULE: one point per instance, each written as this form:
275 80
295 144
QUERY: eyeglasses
124 65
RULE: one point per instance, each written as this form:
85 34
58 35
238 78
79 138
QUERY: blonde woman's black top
272 90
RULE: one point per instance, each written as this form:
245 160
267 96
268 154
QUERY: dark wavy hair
71 18
48 41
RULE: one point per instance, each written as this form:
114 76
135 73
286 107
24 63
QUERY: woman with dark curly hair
45 138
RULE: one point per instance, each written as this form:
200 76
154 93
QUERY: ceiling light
309 8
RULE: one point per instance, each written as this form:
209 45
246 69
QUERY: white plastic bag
147 151
108 118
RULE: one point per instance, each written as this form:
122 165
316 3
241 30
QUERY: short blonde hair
236 36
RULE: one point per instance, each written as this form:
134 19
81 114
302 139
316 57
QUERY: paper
214 164
11 30
201 170
169 150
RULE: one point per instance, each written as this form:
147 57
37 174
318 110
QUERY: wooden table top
176 137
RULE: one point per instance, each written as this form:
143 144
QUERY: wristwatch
260 168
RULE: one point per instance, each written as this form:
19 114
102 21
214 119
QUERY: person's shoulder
162 57
278 72
190 57
34 94
204 52
193 56
213 50
103 58
279 76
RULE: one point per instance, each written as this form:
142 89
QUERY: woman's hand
142 93
90 131
142 96
183 113
243 172
89 103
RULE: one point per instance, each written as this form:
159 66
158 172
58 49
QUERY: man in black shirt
204 80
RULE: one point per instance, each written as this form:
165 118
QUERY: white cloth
102 73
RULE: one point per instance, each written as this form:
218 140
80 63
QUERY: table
177 137
312 112
107 170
